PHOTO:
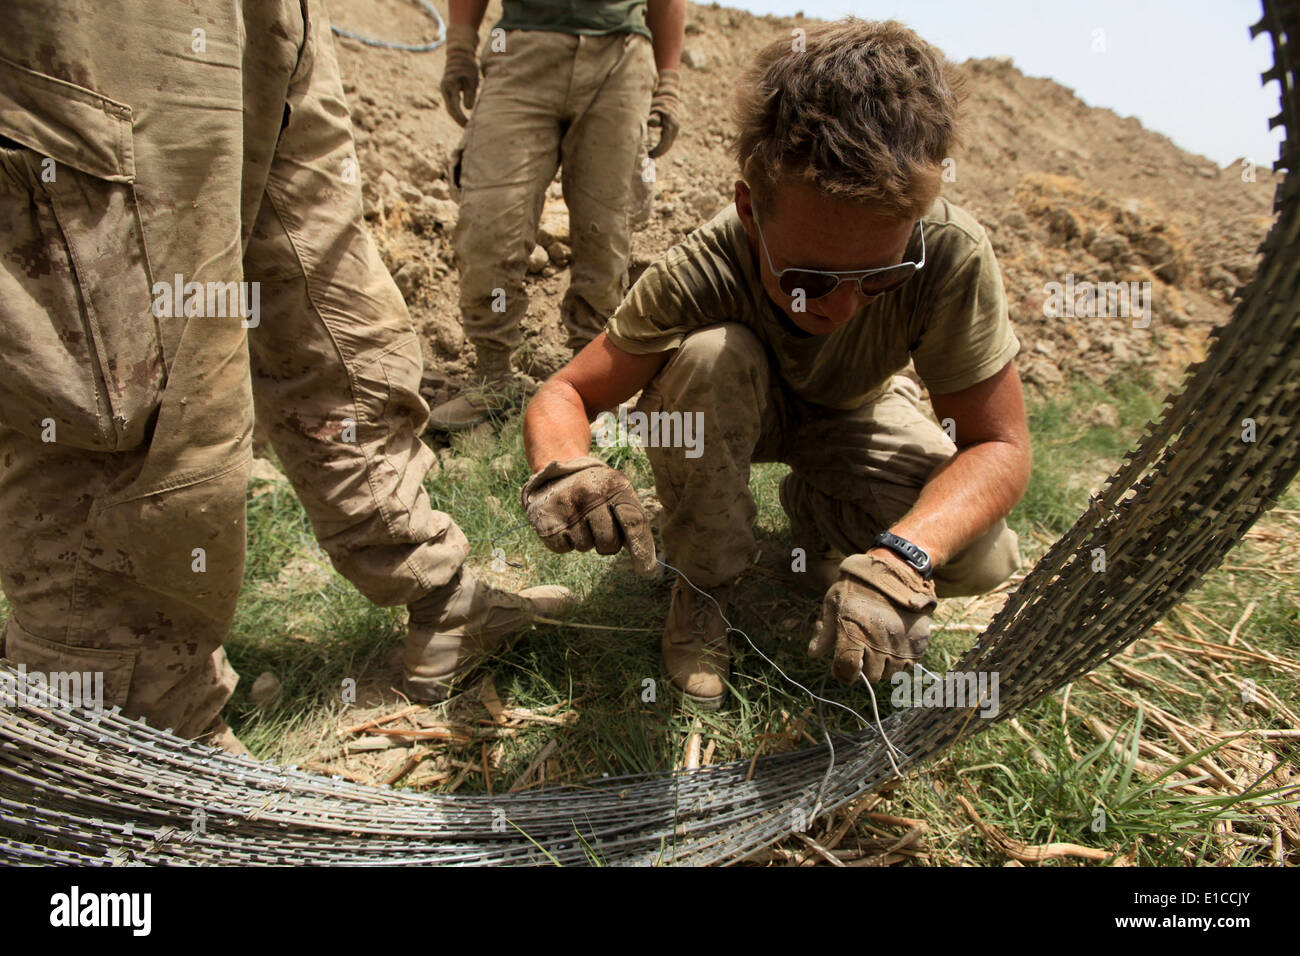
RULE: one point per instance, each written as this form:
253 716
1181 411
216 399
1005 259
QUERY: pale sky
1185 68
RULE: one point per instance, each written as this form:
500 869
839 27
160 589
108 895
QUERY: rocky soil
1063 188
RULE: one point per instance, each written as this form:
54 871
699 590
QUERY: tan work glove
582 503
876 617
460 75
666 111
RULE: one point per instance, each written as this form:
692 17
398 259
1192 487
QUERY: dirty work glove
876 617
666 111
582 504
460 76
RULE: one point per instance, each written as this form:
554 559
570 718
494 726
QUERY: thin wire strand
890 748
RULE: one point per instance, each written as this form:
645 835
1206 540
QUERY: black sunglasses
815 284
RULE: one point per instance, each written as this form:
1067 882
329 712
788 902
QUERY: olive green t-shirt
590 17
950 318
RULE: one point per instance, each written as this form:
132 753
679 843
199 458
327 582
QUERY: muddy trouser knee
854 474
336 361
718 383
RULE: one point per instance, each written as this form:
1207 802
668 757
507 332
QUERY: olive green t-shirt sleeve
694 284
967 335
651 317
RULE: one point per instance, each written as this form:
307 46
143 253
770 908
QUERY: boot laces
703 614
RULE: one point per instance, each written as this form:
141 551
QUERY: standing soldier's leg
336 360
613 80
511 152
337 368
121 501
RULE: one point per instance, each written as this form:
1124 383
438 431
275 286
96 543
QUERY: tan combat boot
489 393
696 650
456 627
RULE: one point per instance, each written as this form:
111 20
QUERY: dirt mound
1070 194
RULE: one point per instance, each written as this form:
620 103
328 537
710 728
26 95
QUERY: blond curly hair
866 111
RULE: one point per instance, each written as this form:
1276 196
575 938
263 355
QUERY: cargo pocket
81 359
102 677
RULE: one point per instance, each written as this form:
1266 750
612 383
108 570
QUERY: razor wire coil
78 787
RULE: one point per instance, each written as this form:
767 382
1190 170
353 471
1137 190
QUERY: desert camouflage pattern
853 473
143 141
551 100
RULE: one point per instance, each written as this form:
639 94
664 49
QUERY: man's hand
666 111
460 76
876 617
582 504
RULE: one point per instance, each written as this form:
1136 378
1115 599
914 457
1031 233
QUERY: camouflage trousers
547 101
853 473
156 155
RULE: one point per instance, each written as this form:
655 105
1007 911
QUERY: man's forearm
667 22
467 13
555 425
965 497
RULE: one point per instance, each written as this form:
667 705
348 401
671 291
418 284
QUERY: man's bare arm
970 492
557 422
667 22
467 13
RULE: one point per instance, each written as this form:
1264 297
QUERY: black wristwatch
914 555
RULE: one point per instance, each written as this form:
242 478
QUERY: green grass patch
301 621
1073 453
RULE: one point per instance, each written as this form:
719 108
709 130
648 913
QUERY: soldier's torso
590 17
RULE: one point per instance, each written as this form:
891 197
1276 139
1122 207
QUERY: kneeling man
782 325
